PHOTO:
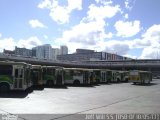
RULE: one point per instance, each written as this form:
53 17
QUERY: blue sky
126 27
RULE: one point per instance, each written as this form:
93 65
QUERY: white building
63 50
44 51
55 52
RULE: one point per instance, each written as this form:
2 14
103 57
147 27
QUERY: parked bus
109 75
120 76
53 75
124 76
77 76
141 77
97 75
116 76
103 75
14 76
37 75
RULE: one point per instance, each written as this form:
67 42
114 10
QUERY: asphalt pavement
82 102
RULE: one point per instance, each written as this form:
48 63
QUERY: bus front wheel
4 87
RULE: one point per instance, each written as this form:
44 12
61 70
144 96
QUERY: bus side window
71 72
21 73
16 73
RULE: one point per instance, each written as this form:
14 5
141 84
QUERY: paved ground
111 98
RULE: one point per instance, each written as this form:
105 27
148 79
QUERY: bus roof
82 69
52 67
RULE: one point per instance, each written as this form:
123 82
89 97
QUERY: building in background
63 50
84 54
23 52
9 52
84 51
43 51
55 52
48 53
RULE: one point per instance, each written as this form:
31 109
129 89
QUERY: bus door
103 76
18 77
91 77
59 80
85 77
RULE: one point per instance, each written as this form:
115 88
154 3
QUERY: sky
126 27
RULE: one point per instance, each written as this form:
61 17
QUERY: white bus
53 75
77 76
142 77
14 76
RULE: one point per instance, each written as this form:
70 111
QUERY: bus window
16 73
5 70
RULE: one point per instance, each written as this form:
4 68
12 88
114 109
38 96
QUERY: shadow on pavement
57 87
14 94
151 84
91 86
37 87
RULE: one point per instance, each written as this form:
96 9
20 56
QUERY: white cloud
90 32
104 2
129 4
58 13
0 35
153 33
36 23
84 34
74 5
152 36
126 16
7 43
127 29
29 43
102 12
151 52
130 56
115 46
10 43
45 4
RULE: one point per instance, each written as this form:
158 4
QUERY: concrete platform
64 103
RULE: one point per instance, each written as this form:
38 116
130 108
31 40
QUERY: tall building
43 51
55 52
23 52
63 50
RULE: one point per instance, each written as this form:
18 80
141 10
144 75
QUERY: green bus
14 76
103 75
53 75
77 76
